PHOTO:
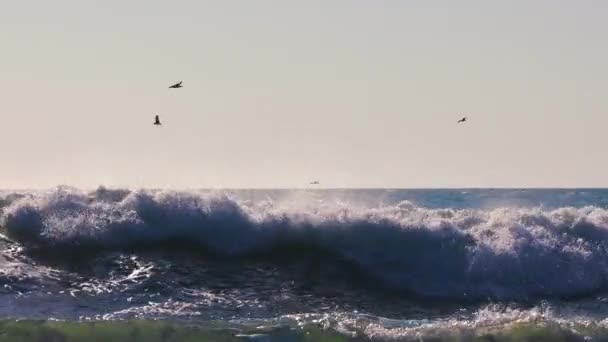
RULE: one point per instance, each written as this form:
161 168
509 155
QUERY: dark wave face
361 256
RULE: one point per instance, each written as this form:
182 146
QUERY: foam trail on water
504 252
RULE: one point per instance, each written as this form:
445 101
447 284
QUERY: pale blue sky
278 93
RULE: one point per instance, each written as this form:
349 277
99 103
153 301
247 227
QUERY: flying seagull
464 119
157 121
177 85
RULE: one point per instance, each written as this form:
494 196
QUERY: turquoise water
151 331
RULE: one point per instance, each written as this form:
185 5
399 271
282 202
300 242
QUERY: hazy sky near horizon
278 93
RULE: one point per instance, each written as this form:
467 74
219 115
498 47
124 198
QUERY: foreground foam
490 323
164 331
501 253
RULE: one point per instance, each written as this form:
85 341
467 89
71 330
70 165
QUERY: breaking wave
503 253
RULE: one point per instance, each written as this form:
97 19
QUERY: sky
278 93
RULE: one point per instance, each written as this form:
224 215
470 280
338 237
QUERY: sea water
304 265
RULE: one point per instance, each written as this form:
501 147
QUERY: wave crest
500 253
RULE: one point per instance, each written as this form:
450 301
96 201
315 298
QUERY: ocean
304 265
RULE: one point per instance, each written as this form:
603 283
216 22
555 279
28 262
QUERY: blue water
361 263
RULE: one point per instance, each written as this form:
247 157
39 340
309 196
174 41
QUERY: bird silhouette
464 119
157 121
176 85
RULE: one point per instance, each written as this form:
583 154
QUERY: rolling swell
504 253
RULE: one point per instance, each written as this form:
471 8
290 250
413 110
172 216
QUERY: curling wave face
502 253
